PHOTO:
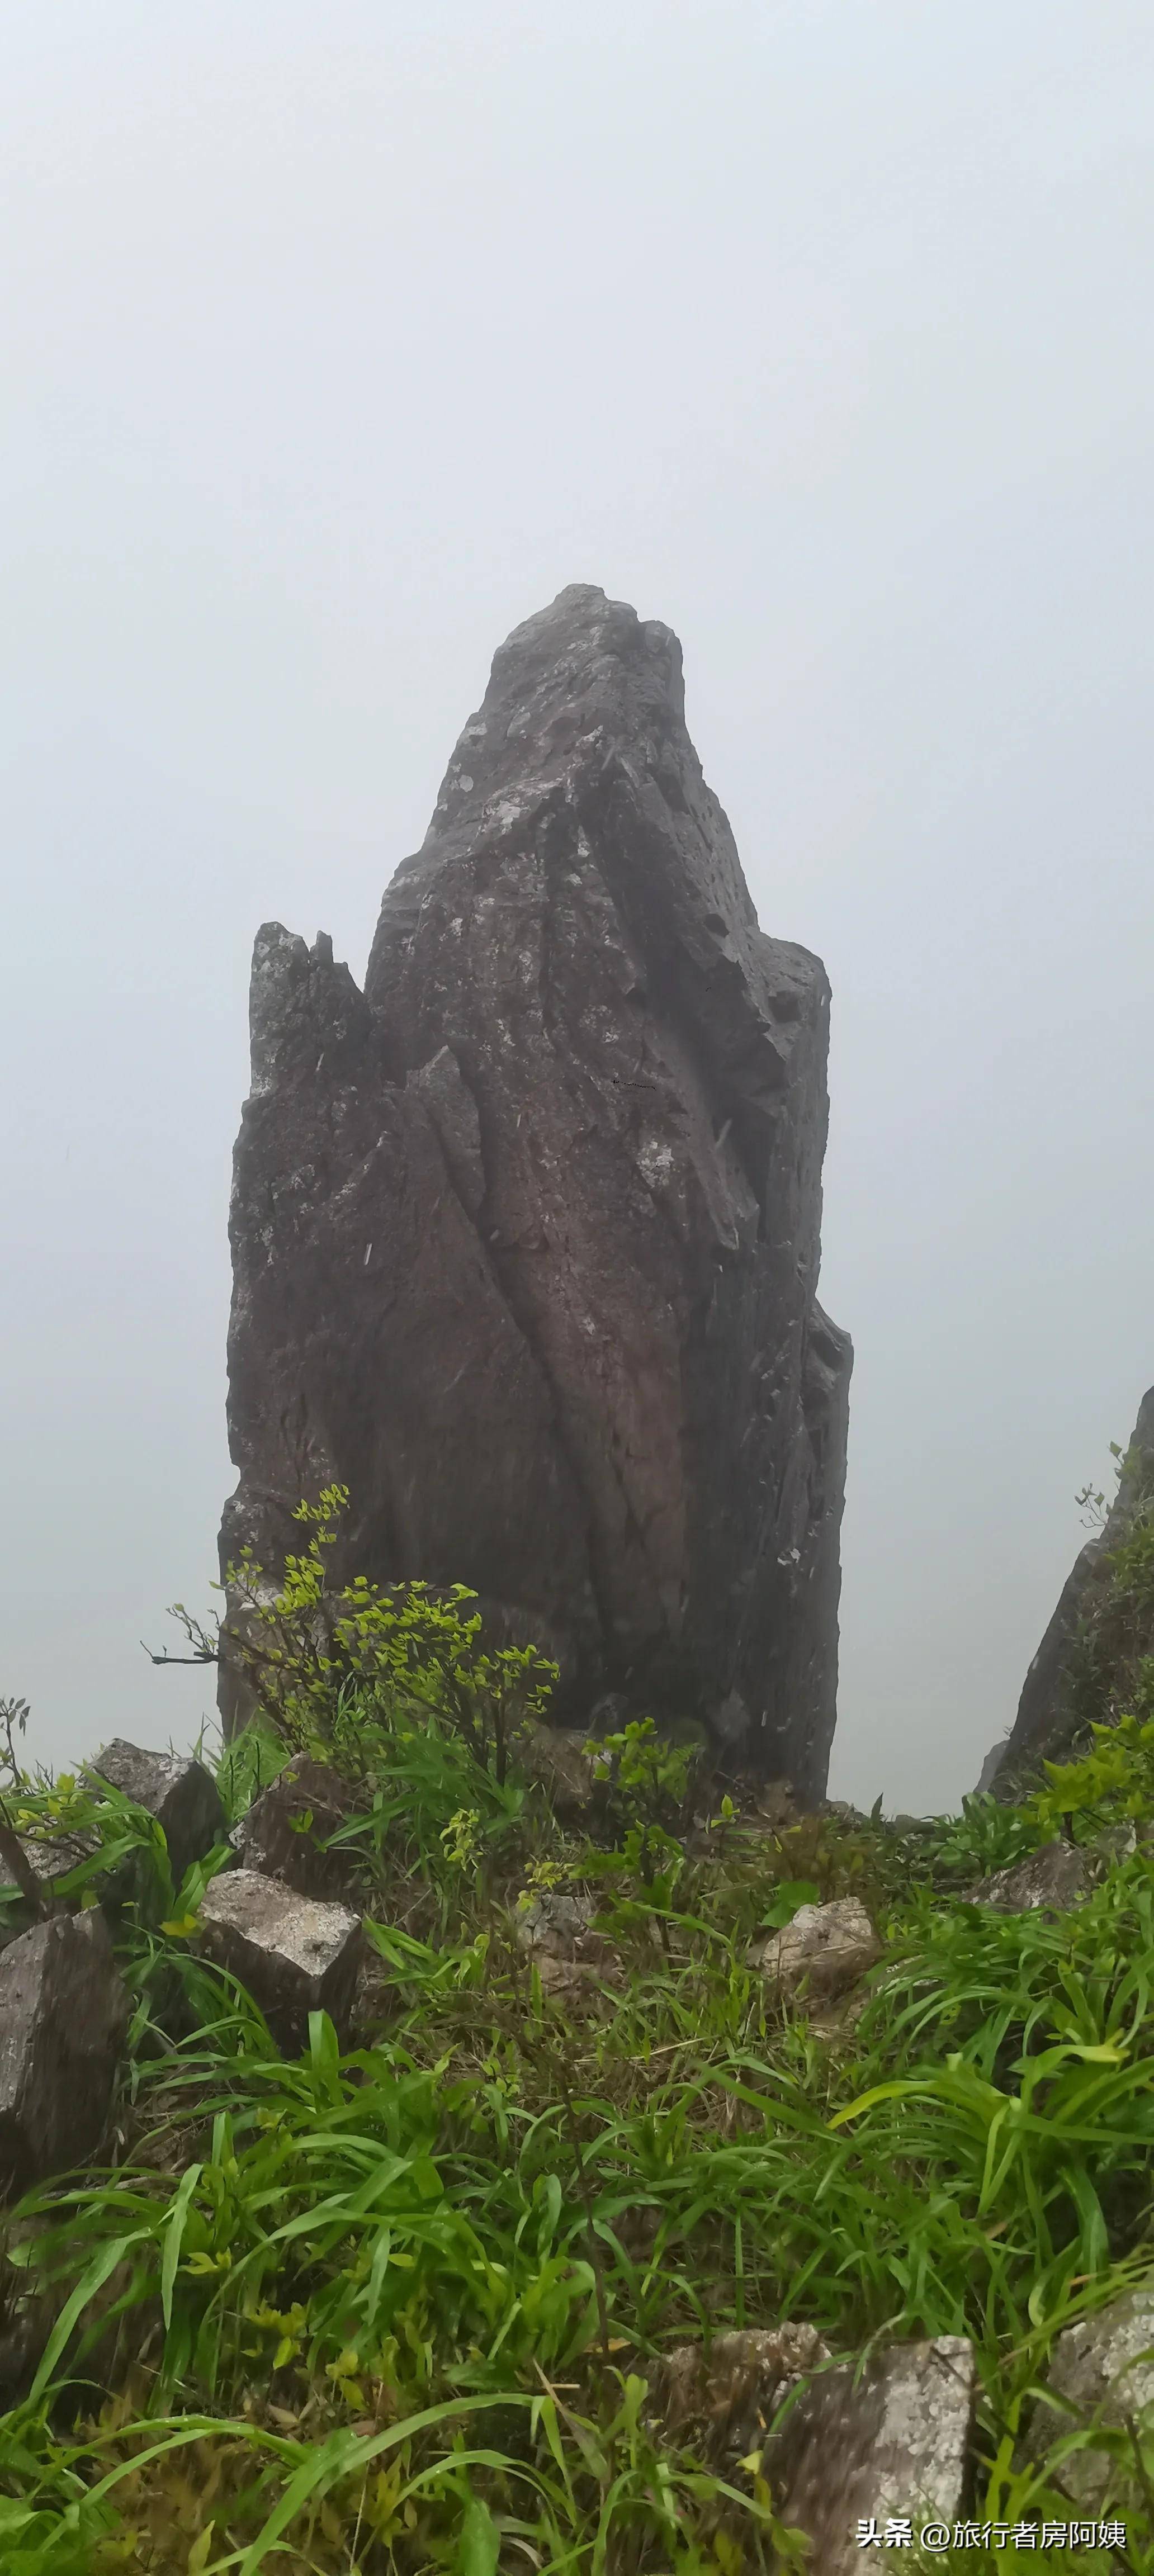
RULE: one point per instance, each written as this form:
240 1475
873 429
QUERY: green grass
395 2311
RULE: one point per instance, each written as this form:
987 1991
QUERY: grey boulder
824 1950
174 1788
1101 2372
888 2443
63 2018
1048 1881
293 1954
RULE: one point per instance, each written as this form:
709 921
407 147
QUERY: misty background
335 341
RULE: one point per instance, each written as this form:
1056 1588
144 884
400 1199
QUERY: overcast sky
336 340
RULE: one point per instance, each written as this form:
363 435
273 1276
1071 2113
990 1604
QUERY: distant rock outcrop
526 1235
1085 1651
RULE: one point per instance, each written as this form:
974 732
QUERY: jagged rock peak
526 1236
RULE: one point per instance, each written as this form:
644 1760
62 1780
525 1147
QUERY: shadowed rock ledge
526 1236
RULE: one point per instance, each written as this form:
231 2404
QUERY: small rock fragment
1048 1881
555 1931
825 1948
557 1761
555 1922
177 1790
1104 2369
891 2443
286 1827
63 2018
293 1954
729 2393
51 1857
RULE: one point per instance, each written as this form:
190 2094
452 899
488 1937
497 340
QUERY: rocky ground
595 2167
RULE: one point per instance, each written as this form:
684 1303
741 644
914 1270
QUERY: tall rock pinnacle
526 1236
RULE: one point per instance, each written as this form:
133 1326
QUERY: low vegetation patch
402 2306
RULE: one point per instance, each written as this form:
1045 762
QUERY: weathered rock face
823 1950
1103 2371
877 2449
1058 1695
63 2018
285 1831
1048 1881
178 1791
860 2451
294 1954
526 1236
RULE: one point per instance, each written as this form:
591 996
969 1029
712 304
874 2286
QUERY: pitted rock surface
891 2441
526 1236
1103 2368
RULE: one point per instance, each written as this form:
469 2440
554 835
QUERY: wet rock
63 2019
174 1788
891 2443
557 1761
1048 1881
284 1831
1103 2368
825 1949
1084 1647
526 1236
293 1954
729 2393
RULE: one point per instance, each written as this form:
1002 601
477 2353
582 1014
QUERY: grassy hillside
399 2309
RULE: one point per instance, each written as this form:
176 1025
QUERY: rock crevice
526 1236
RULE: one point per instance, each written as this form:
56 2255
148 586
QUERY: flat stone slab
824 1950
293 1953
888 2448
1103 2368
175 1789
63 2018
1048 1881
